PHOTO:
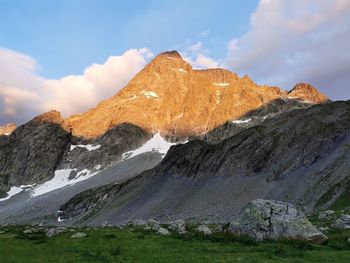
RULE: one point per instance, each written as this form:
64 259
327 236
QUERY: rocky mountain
226 135
7 129
169 96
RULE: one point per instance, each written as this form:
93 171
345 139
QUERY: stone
78 235
139 223
268 219
163 231
105 224
204 229
342 222
324 229
28 231
51 233
2 232
329 212
178 226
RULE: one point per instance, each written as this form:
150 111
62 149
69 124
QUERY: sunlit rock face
171 97
7 129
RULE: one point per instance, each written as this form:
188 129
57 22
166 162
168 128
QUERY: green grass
116 245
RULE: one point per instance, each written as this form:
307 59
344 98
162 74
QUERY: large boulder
268 219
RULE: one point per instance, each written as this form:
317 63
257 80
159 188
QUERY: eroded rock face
268 219
33 151
169 96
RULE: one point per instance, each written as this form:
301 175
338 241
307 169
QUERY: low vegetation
130 245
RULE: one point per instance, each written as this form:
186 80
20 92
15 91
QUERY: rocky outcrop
33 151
106 149
274 220
307 93
169 96
7 129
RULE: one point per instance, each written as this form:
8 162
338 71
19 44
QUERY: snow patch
221 84
156 143
13 191
241 121
180 70
218 96
150 94
61 179
89 147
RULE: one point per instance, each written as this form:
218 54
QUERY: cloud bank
24 94
297 41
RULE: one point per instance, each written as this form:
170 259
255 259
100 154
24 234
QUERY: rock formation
267 219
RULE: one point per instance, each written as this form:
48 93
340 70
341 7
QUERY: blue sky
70 54
66 36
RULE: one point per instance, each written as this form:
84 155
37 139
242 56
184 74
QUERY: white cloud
24 94
296 40
196 55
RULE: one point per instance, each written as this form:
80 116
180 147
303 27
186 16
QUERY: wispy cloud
198 56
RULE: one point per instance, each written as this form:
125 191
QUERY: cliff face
169 96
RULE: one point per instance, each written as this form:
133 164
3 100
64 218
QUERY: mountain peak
171 97
170 54
307 92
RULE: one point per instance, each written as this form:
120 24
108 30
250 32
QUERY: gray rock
55 231
28 231
204 229
324 229
106 224
51 233
78 235
163 231
326 215
2 232
342 222
178 226
139 223
268 219
329 212
153 224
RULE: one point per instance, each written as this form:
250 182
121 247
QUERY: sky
70 54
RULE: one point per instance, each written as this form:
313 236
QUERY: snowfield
61 179
156 143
